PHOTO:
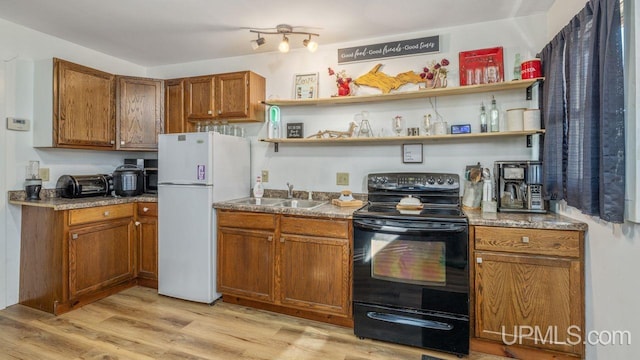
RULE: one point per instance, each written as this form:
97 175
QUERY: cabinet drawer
315 227
532 241
246 220
100 213
148 209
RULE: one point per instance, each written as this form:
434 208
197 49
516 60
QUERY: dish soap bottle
494 116
258 189
483 119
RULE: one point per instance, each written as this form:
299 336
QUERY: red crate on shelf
482 66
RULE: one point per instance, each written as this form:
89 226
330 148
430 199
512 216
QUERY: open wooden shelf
397 139
419 94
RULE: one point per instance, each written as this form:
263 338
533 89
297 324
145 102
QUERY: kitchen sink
255 201
300 204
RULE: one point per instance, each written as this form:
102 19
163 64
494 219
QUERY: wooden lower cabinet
528 292
295 265
69 258
315 264
100 255
147 238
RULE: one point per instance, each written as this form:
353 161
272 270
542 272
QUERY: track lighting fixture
285 31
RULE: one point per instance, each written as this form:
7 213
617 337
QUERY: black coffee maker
33 183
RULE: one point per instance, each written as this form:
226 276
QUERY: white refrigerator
194 171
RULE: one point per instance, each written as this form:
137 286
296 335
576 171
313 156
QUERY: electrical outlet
342 178
265 175
44 174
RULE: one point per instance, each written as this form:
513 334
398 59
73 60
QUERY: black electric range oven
410 264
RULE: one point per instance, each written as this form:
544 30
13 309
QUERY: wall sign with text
295 130
425 45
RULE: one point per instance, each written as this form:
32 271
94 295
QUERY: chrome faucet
290 191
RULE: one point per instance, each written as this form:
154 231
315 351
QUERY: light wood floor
139 324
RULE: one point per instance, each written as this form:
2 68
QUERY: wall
611 252
19 47
315 167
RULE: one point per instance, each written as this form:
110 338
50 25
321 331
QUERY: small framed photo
305 86
412 153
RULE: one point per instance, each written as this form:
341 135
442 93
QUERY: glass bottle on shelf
483 119
517 67
494 116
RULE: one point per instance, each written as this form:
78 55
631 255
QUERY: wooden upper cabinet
174 121
199 94
84 115
234 97
140 112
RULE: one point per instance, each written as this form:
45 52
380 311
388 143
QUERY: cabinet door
83 106
100 255
148 247
199 95
516 294
246 263
314 273
140 113
233 95
174 107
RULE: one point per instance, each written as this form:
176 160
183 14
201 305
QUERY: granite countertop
549 221
49 200
326 211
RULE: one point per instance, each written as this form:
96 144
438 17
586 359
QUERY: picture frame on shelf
481 66
305 86
412 153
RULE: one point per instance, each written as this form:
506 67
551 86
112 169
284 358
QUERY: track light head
255 44
284 44
311 45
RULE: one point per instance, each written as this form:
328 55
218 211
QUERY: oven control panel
413 181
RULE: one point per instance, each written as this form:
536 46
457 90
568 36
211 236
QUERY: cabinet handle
525 239
219 112
106 213
122 142
137 223
270 238
282 239
112 142
74 236
145 209
209 112
479 260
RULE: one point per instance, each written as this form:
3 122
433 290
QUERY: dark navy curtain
583 111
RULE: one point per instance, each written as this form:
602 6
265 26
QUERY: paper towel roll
531 119
515 119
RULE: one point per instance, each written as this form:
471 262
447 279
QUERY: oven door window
410 262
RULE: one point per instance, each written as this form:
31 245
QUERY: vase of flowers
435 75
343 82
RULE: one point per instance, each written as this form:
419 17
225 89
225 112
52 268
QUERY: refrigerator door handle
182 184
